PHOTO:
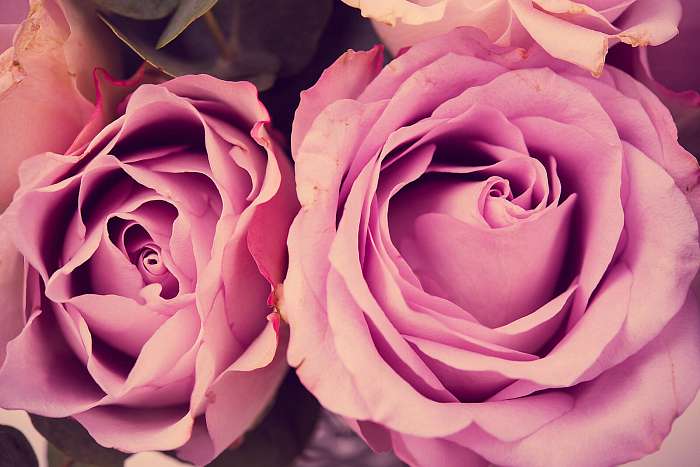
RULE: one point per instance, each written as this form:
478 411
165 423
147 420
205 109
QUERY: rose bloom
48 50
493 257
577 32
152 248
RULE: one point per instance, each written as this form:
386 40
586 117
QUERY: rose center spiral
153 269
151 263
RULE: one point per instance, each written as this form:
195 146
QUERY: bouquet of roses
229 239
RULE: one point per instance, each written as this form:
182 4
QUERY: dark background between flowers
339 28
282 46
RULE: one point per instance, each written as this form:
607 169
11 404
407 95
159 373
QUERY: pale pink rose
46 78
153 246
577 32
493 257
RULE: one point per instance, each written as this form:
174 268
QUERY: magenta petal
58 384
239 97
12 318
464 45
664 372
425 451
267 234
466 279
108 94
435 85
345 79
311 348
658 214
679 163
137 430
119 321
245 392
167 356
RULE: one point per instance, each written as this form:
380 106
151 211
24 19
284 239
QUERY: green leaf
75 442
187 12
15 450
193 52
253 40
138 9
282 434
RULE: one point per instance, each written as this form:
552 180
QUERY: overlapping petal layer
579 32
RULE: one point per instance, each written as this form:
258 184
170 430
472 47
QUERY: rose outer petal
407 11
346 78
576 32
55 50
36 74
665 371
12 318
58 385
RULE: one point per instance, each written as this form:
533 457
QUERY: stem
218 35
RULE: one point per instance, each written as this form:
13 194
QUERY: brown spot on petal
638 40
17 65
277 298
598 71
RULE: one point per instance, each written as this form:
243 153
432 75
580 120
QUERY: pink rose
577 32
46 78
493 257
152 251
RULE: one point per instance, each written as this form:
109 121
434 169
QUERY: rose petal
58 384
391 11
665 372
12 318
137 430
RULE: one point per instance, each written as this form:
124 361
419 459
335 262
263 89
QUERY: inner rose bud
151 262
153 270
494 199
